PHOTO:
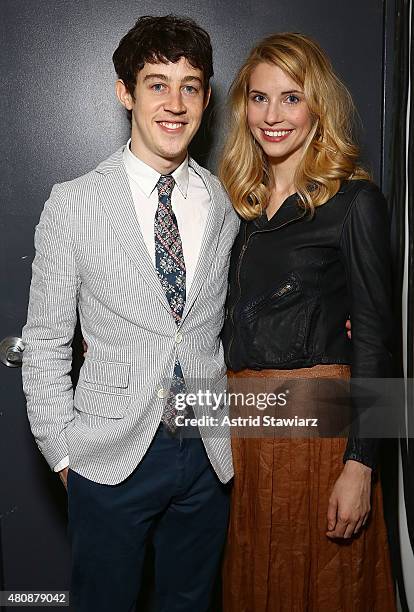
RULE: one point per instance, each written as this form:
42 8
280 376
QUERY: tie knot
165 185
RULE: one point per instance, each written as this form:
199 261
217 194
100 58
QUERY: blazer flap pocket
107 373
109 405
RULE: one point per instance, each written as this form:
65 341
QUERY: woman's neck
283 174
282 183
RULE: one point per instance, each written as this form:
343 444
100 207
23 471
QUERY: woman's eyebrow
282 93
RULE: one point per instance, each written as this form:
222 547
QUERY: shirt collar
147 178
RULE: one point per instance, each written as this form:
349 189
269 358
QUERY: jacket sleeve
365 249
48 333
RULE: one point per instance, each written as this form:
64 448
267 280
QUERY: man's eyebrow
160 77
191 77
165 78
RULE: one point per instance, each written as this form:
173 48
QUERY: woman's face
277 113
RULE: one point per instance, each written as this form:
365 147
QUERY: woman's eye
292 99
259 98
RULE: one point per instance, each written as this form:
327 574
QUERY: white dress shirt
190 202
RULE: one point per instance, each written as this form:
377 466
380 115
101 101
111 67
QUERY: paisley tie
170 266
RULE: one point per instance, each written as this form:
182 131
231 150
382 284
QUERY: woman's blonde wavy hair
330 152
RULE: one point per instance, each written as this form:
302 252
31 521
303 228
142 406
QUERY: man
140 247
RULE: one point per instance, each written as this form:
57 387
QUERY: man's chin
174 155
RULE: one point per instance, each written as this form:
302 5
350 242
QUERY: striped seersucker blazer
91 257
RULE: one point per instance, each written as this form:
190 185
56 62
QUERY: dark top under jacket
294 281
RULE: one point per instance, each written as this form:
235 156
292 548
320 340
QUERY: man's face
166 113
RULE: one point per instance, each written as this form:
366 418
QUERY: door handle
11 351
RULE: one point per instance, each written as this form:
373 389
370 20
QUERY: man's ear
123 94
207 98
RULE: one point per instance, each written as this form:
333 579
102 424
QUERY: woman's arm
365 251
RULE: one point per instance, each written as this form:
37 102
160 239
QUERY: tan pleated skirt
278 557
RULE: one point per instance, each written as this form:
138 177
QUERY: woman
312 248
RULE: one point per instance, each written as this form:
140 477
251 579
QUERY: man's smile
172 127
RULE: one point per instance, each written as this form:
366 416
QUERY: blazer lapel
210 238
116 199
118 204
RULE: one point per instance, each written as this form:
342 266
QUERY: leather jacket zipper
252 310
242 252
285 289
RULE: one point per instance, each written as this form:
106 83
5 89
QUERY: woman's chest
263 257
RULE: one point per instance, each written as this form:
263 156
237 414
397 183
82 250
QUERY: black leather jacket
294 280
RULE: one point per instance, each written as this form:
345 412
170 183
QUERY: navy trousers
174 497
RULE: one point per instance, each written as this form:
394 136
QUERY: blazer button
178 337
162 393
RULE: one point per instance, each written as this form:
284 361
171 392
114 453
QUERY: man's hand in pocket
64 477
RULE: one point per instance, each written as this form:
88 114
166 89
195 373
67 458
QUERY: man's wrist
63 463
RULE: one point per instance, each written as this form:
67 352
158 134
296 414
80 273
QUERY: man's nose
175 103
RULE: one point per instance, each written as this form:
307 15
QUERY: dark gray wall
60 112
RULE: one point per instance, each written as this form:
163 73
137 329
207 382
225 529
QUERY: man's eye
190 89
158 87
